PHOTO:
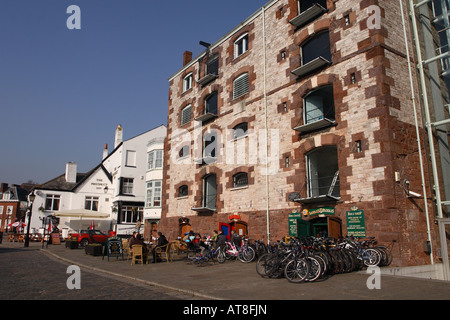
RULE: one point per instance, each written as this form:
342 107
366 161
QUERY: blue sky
63 92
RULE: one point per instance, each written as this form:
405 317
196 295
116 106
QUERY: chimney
71 172
187 57
119 136
105 151
3 187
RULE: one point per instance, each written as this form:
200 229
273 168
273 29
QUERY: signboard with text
356 226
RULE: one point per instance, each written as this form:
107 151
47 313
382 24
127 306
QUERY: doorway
323 226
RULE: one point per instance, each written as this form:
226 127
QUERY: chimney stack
71 172
119 136
3 187
105 151
187 57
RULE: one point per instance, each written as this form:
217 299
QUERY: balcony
311 66
308 15
316 125
206 117
207 79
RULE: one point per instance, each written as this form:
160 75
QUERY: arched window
186 115
240 130
209 191
240 180
187 82
184 152
241 45
183 191
240 86
319 104
211 103
323 172
317 46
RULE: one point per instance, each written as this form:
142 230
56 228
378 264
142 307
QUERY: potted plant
71 243
95 249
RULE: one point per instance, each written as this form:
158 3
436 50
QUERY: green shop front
313 222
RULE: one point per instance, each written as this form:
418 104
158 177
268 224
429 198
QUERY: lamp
31 198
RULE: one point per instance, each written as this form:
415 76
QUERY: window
209 191
154 159
130 158
240 130
319 104
317 46
186 115
211 103
131 214
127 185
187 82
52 202
241 45
91 203
210 145
184 152
240 86
304 5
323 172
183 191
212 66
153 198
240 180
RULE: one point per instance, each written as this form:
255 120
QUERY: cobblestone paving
27 274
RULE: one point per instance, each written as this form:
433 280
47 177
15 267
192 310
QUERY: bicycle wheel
246 254
220 256
265 264
371 257
314 269
387 255
296 270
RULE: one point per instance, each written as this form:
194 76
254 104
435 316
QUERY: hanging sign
321 212
356 226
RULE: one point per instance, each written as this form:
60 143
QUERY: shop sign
321 212
293 217
234 217
356 226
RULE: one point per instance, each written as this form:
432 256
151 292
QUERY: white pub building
118 195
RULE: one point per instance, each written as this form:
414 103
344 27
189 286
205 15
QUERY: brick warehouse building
322 92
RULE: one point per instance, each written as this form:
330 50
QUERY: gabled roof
16 193
60 183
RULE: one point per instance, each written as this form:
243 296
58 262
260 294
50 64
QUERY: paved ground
180 280
35 275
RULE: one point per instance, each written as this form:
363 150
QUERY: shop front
315 222
236 222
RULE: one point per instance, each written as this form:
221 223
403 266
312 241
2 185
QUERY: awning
81 213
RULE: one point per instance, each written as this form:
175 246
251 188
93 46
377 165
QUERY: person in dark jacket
162 241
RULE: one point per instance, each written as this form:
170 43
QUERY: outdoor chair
137 251
163 252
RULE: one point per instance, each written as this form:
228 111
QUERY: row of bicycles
312 258
220 253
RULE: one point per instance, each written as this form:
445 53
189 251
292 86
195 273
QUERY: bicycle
245 253
210 254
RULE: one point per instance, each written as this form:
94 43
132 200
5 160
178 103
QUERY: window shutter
186 115
240 86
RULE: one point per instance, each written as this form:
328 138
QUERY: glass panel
211 104
318 46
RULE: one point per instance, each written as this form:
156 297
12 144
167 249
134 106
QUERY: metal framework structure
431 36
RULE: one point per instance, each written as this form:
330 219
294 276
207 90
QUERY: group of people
136 239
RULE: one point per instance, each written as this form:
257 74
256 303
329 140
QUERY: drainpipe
417 131
263 11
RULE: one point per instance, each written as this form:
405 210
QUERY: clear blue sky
63 92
